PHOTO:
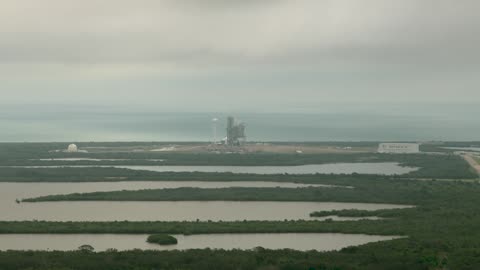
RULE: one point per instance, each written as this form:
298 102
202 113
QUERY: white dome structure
72 148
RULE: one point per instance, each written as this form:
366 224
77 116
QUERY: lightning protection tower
214 127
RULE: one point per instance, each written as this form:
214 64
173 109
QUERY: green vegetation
231 194
442 147
477 159
393 255
372 227
431 166
86 248
445 166
442 230
162 239
384 213
386 190
442 233
98 174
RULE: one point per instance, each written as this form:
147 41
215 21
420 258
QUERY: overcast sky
248 55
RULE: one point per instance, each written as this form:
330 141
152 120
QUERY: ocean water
65 124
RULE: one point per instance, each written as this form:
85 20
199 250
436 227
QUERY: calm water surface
147 211
421 122
385 168
101 242
174 211
10 191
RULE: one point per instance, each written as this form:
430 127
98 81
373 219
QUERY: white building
399 148
72 148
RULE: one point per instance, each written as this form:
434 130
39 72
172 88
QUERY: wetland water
35 189
101 242
169 211
384 168
174 211
150 211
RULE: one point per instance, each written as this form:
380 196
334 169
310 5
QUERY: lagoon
383 168
152 211
102 242
177 211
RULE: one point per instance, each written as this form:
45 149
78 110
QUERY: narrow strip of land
308 194
369 227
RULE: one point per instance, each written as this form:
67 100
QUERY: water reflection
149 211
383 168
175 211
102 242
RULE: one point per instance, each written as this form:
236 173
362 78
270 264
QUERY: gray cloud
327 51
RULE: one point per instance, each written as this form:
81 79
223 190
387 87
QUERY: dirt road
475 165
